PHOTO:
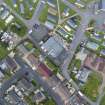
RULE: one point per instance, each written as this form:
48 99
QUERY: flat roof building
52 47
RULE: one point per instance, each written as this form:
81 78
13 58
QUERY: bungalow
44 70
83 74
4 14
51 3
62 32
32 61
66 12
52 18
14 3
39 96
22 8
11 64
9 19
102 52
92 46
49 25
25 86
72 23
52 11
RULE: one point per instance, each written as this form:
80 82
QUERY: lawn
21 31
29 46
44 13
72 1
90 89
37 52
63 7
103 101
52 66
75 63
3 51
48 102
27 4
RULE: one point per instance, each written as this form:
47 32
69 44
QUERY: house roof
44 70
11 63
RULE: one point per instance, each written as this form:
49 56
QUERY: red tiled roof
44 70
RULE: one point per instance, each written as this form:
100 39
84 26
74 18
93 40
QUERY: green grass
44 13
72 1
75 63
3 51
63 7
29 46
90 89
37 52
22 31
52 66
28 14
34 82
49 102
103 101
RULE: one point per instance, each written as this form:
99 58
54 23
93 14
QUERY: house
32 61
52 47
72 23
22 50
25 86
49 25
4 14
14 3
92 45
94 63
11 64
52 18
52 11
102 52
39 96
51 3
80 3
1 75
83 74
13 99
63 32
44 70
9 19
66 12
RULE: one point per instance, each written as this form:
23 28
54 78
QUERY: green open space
63 6
103 101
3 51
27 5
48 102
90 89
44 13
52 66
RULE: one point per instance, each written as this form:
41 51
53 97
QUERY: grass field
27 5
90 89
44 13
103 101
3 51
